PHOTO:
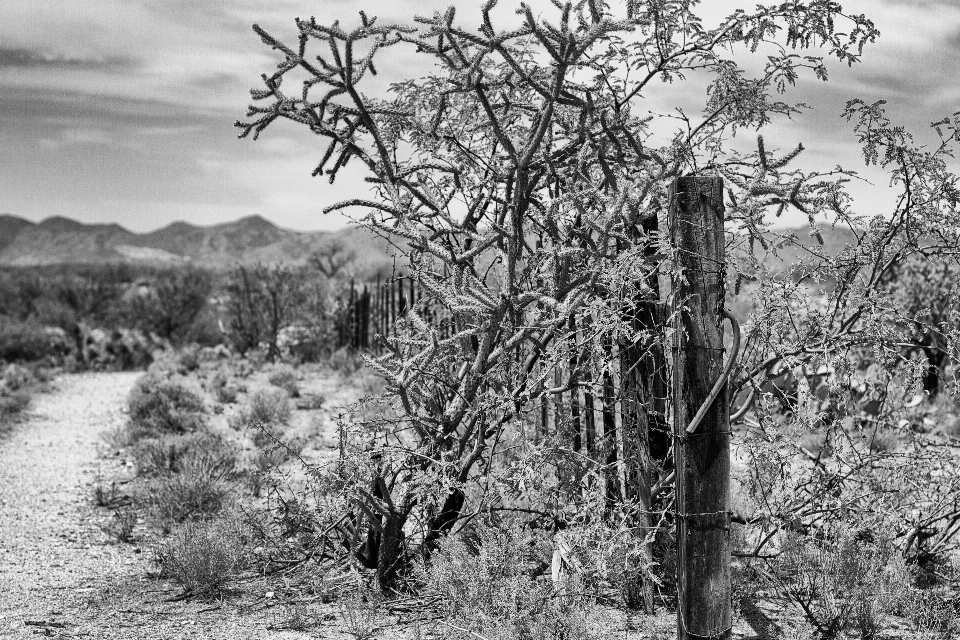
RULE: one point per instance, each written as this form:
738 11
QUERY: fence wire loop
722 380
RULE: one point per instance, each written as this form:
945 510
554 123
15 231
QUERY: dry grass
198 483
121 526
202 557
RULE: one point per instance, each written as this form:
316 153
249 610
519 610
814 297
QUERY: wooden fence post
702 458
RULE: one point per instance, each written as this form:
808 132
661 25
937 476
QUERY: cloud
29 58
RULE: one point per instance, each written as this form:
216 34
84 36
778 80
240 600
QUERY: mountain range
60 240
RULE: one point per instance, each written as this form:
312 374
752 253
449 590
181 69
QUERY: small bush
104 496
222 391
202 557
160 407
311 402
269 408
345 362
199 484
189 359
174 454
12 403
16 377
361 615
490 591
286 379
121 526
25 342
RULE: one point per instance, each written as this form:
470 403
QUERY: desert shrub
362 613
107 496
202 557
121 526
345 361
222 391
159 407
189 359
12 403
286 379
845 584
260 302
16 377
274 448
200 484
173 454
24 342
488 589
178 497
311 401
933 616
269 408
170 301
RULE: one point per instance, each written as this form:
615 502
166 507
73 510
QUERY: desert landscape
547 320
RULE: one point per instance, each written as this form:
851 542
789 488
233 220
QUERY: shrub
189 359
345 362
311 402
16 377
180 497
269 408
207 452
490 592
222 392
121 526
844 584
104 496
361 615
160 407
198 482
24 342
286 379
13 403
202 557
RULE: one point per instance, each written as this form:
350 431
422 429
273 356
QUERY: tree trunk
702 458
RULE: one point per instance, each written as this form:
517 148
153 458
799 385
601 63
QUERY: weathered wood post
702 458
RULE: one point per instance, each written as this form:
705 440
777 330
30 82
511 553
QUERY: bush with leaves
159 407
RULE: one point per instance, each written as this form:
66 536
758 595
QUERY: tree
528 185
173 302
332 257
261 302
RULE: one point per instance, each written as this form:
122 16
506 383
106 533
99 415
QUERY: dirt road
52 552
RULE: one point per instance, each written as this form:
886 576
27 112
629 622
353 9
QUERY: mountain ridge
252 239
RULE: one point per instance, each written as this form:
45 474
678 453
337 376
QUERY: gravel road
52 551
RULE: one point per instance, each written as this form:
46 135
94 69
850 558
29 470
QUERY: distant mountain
60 240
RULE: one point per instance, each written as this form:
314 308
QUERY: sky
122 110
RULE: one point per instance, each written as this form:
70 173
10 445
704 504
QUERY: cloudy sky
122 110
